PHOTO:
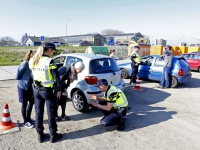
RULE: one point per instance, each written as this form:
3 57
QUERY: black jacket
64 73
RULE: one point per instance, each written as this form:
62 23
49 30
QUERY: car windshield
104 65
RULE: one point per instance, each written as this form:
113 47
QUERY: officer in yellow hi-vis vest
45 77
135 58
114 104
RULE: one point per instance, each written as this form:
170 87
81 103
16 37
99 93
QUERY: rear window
104 65
183 63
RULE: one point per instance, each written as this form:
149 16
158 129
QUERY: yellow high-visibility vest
120 98
41 72
137 59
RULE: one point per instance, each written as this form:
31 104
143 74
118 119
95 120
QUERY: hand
59 94
94 104
92 96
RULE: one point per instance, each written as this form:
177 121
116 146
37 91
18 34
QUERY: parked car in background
193 60
151 67
56 43
96 67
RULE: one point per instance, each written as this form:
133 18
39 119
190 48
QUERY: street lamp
66 31
80 34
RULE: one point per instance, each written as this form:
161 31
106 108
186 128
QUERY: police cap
50 45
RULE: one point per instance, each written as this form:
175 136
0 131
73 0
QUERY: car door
157 69
194 61
145 67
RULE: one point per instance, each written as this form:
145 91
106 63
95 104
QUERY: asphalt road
160 119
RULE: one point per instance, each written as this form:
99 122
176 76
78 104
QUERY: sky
174 20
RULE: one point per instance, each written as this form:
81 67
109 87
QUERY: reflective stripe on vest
41 72
138 57
121 101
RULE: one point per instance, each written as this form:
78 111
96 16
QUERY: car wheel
174 82
124 74
79 101
199 69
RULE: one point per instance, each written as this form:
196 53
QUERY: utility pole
66 32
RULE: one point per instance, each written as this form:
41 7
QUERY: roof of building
33 39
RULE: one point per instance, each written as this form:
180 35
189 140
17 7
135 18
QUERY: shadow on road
142 113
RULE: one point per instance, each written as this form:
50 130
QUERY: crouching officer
135 58
114 104
45 76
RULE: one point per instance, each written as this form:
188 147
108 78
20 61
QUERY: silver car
96 67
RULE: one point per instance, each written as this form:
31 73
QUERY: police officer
135 58
114 104
45 77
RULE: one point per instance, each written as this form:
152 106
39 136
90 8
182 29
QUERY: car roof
198 53
85 55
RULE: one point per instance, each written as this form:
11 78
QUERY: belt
42 88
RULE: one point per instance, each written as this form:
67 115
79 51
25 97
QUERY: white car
56 43
96 67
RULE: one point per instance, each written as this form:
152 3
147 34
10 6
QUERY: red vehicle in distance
193 60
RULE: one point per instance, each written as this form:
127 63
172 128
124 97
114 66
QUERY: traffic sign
42 38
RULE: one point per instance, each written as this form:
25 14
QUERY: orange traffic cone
137 85
6 121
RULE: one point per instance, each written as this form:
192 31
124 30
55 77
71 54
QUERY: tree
6 40
111 32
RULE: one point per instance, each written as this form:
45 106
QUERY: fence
120 51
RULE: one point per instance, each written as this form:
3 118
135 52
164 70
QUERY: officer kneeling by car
114 104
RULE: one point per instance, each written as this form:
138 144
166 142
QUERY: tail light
181 72
91 79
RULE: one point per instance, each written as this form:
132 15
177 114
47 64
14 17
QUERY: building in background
32 41
161 42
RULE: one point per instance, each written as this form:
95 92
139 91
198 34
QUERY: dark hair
45 49
168 47
112 50
28 55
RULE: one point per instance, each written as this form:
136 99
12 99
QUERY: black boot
40 137
55 137
121 125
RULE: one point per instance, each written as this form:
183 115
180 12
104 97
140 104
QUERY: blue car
151 68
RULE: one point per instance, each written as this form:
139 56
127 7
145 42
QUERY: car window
183 63
159 62
103 65
147 61
60 60
185 56
71 60
197 56
190 56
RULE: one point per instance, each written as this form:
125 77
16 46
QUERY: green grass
11 56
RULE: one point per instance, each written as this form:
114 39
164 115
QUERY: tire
79 101
199 69
174 82
124 74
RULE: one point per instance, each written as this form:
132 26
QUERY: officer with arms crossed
45 77
135 58
114 104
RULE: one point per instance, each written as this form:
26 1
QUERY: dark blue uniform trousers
134 73
42 96
112 117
